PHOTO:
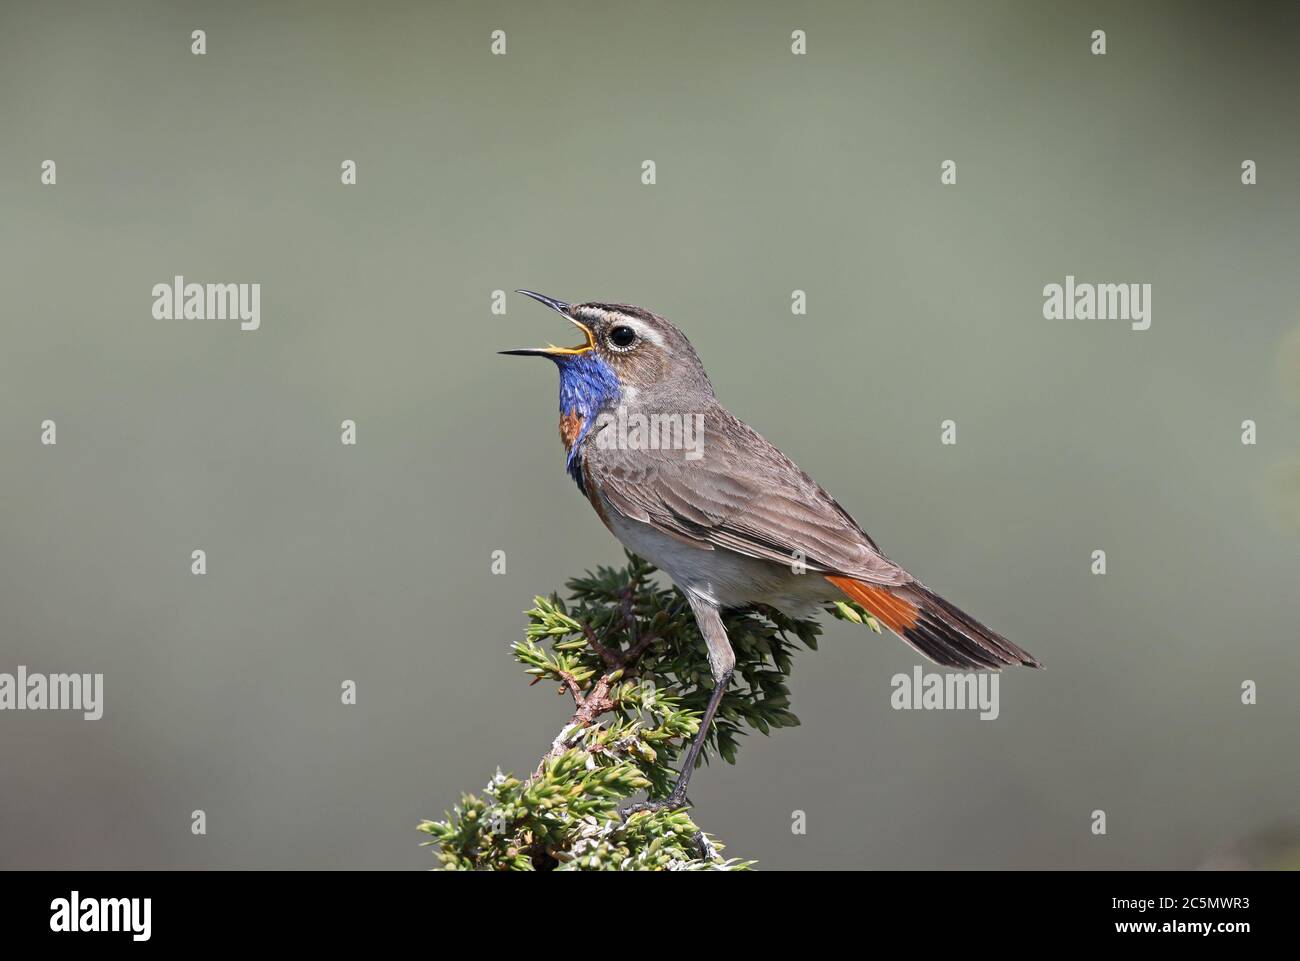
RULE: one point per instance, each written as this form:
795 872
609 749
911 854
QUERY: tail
939 630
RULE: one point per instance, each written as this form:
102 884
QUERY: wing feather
741 495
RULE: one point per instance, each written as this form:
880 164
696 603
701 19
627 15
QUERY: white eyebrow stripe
641 327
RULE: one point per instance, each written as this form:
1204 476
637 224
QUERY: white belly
724 578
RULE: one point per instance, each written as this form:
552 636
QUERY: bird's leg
677 797
722 662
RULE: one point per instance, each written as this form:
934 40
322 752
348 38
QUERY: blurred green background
775 172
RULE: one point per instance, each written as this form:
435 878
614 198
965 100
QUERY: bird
731 520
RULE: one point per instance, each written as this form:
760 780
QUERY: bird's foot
704 849
672 802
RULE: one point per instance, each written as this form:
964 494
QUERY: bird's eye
622 336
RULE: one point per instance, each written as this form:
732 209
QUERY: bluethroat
728 517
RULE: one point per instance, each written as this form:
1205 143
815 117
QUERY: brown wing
741 495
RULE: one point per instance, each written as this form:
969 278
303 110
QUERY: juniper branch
629 654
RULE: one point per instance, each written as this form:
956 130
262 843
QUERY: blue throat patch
587 386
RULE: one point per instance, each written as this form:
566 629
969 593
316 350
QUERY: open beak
550 350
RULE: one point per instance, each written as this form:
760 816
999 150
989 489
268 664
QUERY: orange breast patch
570 427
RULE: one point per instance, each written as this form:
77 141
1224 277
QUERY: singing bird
731 520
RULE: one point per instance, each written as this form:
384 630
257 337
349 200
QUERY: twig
613 659
572 684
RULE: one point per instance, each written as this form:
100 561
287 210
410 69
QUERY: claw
669 803
704 849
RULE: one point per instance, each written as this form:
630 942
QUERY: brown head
651 359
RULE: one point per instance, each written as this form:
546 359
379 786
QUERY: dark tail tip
958 639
